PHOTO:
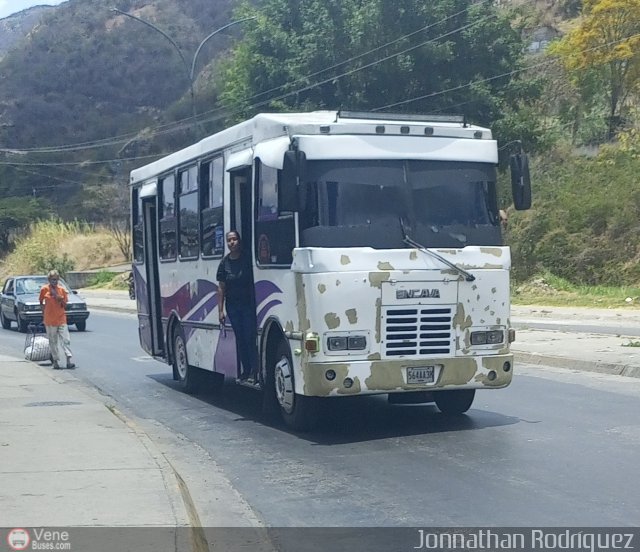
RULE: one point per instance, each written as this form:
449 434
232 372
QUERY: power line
352 71
507 74
76 163
186 122
335 66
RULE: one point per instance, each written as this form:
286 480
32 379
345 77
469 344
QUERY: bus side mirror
520 181
293 169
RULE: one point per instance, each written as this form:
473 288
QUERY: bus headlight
337 343
346 342
493 337
356 342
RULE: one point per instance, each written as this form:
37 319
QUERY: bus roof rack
412 117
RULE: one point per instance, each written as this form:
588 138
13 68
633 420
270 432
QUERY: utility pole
190 70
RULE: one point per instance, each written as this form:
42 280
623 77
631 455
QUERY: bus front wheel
455 401
184 374
298 411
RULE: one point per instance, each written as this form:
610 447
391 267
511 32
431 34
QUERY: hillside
85 73
16 27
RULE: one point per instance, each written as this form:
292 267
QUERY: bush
62 264
585 221
101 278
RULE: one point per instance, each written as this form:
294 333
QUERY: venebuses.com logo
18 539
39 538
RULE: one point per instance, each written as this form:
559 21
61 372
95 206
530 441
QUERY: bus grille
417 331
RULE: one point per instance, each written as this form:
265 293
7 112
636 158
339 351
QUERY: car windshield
33 284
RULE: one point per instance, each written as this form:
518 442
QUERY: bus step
248 383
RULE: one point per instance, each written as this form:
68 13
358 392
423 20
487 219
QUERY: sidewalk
66 459
606 353
612 353
69 459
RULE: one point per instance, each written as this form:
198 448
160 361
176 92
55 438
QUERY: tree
604 49
451 56
16 214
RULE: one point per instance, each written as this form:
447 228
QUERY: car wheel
81 326
22 324
299 412
454 402
6 323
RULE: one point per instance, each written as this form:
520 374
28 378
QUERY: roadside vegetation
65 246
550 290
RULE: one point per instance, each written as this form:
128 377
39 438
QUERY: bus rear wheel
298 411
454 402
184 374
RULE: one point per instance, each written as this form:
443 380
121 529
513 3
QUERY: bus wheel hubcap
284 385
181 359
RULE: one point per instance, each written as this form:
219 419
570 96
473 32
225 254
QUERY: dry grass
95 250
84 247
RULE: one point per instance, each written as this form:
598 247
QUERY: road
556 448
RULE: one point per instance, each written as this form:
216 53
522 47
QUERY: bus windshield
377 203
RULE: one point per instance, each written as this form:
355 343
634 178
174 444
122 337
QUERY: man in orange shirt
53 299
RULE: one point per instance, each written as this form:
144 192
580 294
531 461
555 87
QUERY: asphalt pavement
69 458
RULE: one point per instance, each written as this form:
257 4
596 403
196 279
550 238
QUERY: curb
577 364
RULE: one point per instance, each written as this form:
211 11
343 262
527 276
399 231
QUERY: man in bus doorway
53 300
236 295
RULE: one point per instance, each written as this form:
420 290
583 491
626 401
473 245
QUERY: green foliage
399 51
585 220
101 278
603 49
16 214
50 261
632 344
549 289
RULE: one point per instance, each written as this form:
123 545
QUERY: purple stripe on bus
264 310
182 301
264 289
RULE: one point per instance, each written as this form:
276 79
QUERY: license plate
421 374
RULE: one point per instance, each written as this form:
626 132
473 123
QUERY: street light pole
190 71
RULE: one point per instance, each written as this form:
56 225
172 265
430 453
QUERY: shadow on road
349 419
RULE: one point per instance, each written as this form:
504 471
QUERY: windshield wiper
405 237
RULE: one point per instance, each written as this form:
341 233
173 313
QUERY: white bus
379 265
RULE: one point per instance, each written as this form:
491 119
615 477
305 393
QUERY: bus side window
275 233
137 227
211 213
188 218
167 206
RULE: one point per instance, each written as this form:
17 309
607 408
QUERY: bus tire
454 402
298 411
184 374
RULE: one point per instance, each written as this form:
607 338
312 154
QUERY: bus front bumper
323 379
